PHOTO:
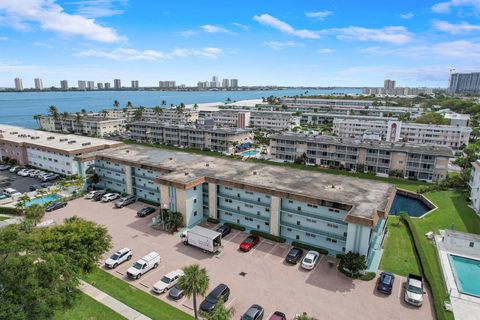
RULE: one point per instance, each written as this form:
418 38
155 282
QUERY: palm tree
157 111
164 103
37 118
194 282
220 312
138 114
53 112
129 104
104 112
83 111
116 104
195 107
78 117
171 106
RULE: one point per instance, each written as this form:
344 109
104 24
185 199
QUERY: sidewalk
112 303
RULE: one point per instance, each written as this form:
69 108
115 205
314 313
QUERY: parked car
310 260
34 187
11 192
414 290
15 169
45 184
24 172
122 255
92 193
33 173
4 167
294 255
385 282
49 177
125 201
110 197
99 195
221 291
250 242
55 206
145 212
277 315
224 230
176 292
255 312
145 264
168 281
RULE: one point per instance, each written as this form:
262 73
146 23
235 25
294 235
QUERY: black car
294 255
255 312
34 187
99 195
55 206
385 282
224 230
176 292
222 291
145 212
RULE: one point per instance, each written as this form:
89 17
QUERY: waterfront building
225 83
234 83
337 213
389 86
64 85
90 85
211 138
117 84
170 115
38 84
108 85
18 84
418 133
82 85
83 124
135 84
465 83
47 150
167 84
99 85
422 162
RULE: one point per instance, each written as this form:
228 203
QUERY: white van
11 192
147 263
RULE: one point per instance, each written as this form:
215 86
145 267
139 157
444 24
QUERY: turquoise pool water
412 206
467 274
43 199
249 153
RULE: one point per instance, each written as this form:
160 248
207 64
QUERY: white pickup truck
147 263
414 290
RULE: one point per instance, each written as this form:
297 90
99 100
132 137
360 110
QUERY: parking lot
12 180
260 276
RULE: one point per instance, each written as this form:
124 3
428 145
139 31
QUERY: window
299 208
290 201
194 188
471 244
267 223
194 200
194 213
331 225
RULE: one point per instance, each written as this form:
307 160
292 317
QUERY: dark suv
145 212
222 291
294 255
255 312
99 195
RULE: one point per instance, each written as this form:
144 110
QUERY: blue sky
303 42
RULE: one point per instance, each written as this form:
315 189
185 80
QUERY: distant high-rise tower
234 83
389 86
99 85
64 85
90 85
38 84
18 84
134 84
167 84
107 85
465 83
82 85
225 83
117 84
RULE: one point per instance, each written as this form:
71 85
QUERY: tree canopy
431 118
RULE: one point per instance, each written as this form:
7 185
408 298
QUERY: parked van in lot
142 266
11 192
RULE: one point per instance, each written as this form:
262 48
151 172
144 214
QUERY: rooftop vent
170 158
186 173
254 173
86 144
72 141
207 165
64 139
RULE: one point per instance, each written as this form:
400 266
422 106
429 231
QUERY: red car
249 243
277 315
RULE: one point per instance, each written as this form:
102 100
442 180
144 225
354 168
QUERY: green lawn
399 255
4 218
133 297
88 309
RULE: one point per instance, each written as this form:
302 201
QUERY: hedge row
268 236
235 226
8 210
213 220
309 247
437 287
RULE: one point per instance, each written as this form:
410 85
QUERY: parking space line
143 278
227 241
231 301
274 246
255 248
181 302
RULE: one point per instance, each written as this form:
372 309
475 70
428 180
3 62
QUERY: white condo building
474 185
18 84
38 84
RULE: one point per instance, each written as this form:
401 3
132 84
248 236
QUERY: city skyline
310 44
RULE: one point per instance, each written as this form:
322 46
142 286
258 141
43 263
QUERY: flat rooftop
66 143
365 198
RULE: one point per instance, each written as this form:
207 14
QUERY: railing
228 196
243 213
312 230
313 215
109 168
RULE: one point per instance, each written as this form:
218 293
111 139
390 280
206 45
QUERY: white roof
204 232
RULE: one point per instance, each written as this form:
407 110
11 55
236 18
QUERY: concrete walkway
112 303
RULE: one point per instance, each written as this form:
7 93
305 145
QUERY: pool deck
465 307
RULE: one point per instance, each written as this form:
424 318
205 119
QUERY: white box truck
147 263
203 238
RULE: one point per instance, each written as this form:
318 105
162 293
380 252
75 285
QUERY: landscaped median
135 298
88 308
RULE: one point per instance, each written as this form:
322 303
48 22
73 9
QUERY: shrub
8 210
309 247
368 276
352 263
213 220
235 226
152 203
268 236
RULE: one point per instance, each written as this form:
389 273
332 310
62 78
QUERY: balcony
313 215
145 187
312 230
244 213
113 180
227 196
120 170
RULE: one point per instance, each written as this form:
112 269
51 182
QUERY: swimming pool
249 153
42 200
412 206
467 274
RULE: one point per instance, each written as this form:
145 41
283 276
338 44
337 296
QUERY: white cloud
284 27
279 45
52 17
320 15
407 16
239 25
453 28
125 54
43 44
99 8
208 28
447 6
392 34
324 50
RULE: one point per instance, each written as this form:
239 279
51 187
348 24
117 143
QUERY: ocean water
18 108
